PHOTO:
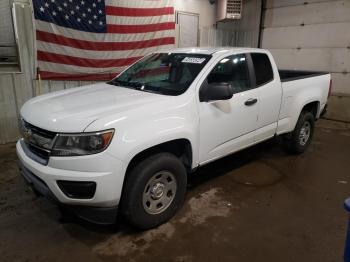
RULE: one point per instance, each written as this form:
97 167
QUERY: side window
232 70
262 68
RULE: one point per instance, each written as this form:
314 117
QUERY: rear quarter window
262 68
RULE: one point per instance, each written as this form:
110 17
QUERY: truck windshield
163 73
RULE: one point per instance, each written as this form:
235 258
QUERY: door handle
251 101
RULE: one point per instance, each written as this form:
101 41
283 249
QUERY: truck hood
74 109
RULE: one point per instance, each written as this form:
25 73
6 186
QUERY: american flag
97 39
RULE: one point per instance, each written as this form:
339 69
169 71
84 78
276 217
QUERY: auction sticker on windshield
193 60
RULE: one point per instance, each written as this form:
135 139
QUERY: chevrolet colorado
127 145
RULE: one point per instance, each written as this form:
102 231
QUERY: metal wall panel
8 118
284 3
335 60
327 35
16 88
7 40
313 36
341 86
331 12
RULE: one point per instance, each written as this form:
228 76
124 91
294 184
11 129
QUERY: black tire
133 205
293 143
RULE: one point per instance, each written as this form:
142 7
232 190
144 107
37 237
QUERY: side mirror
215 91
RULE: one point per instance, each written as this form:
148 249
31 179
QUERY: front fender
135 139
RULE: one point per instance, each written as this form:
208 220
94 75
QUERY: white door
188 29
228 125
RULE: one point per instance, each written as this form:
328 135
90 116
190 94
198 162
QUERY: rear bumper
97 215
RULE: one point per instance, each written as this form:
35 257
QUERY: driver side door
229 125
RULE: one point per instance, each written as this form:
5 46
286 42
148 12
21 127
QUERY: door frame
178 25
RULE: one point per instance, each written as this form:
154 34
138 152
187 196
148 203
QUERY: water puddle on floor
256 174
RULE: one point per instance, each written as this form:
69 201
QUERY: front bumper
103 169
97 215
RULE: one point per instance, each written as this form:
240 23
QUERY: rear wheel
298 141
154 190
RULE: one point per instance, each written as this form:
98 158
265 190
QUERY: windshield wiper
118 82
135 85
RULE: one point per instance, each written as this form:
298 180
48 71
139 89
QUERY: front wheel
298 141
154 190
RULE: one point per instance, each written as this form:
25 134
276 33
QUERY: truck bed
290 75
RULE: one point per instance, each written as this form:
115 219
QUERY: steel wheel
305 132
159 192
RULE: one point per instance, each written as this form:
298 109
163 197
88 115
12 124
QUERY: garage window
8 45
262 68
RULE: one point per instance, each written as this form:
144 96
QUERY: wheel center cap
157 190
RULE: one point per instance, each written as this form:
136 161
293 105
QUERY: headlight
81 144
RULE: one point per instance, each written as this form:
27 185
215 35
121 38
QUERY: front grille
38 141
40 131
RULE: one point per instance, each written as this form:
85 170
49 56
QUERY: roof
209 50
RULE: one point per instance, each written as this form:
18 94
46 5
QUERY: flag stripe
98 54
101 46
139 20
70 69
140 4
97 37
125 11
128 29
84 62
60 76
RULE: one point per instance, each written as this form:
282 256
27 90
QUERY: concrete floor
258 205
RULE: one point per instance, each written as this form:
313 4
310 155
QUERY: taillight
330 88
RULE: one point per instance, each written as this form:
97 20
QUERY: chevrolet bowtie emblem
27 133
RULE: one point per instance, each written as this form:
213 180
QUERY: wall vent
229 9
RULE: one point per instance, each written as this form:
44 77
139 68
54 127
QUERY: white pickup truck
127 145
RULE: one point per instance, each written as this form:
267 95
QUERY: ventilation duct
229 10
